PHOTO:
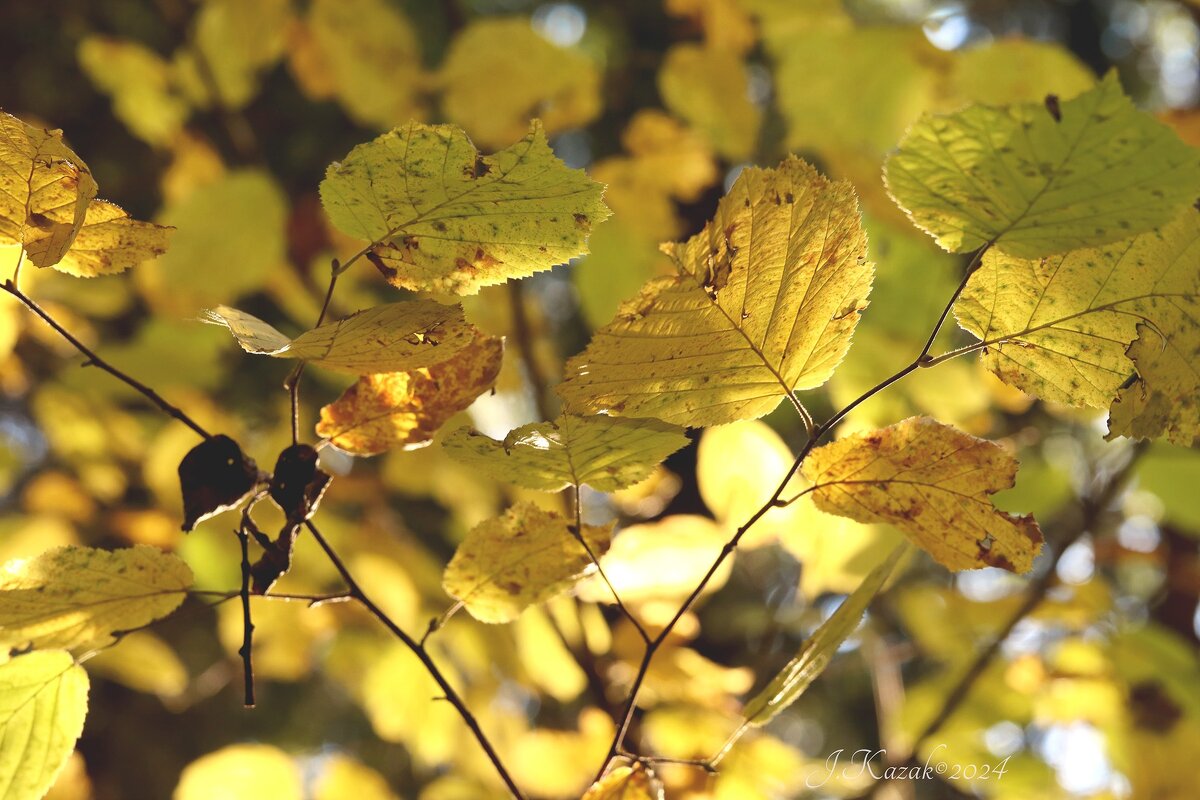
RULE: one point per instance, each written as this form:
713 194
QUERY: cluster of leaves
1083 289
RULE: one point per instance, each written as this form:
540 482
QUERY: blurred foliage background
219 117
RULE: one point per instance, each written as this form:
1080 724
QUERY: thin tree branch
247 648
292 382
421 653
93 360
773 501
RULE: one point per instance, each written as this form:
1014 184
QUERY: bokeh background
219 117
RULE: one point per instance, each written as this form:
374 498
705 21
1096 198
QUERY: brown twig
247 648
292 382
421 653
93 360
774 500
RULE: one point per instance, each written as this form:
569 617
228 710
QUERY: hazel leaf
110 242
43 703
215 476
932 482
442 217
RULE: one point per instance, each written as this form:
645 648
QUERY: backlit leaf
43 702
1042 179
764 301
241 772
78 597
405 409
932 482
606 453
445 218
143 662
709 88
139 81
1073 328
626 783
818 650
500 72
344 778
110 241
45 190
388 338
370 54
523 557
232 43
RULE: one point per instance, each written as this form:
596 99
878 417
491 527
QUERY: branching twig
292 382
421 653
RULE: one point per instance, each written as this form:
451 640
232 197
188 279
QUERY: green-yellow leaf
405 409
625 783
763 301
371 56
78 597
394 337
933 483
500 72
43 702
45 190
241 772
606 453
110 241
1042 179
232 43
1073 328
524 557
818 650
445 218
140 83
710 89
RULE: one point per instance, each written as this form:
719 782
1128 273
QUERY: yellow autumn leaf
626 783
763 302
443 217
143 662
1074 328
43 702
110 241
662 560
933 483
393 337
77 597
232 43
606 453
241 772
709 88
500 72
366 55
1039 179
140 83
524 557
45 190
405 409
344 778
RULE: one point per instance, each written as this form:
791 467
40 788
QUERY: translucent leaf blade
1037 184
524 557
43 702
405 409
77 597
625 783
603 452
45 190
819 649
764 301
110 242
933 483
395 337
449 219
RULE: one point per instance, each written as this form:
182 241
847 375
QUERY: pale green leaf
78 597
43 702
45 190
764 301
139 81
1074 328
1037 185
818 650
606 453
443 217
710 89
524 557
395 337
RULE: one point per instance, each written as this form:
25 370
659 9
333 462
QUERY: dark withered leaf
298 483
215 476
